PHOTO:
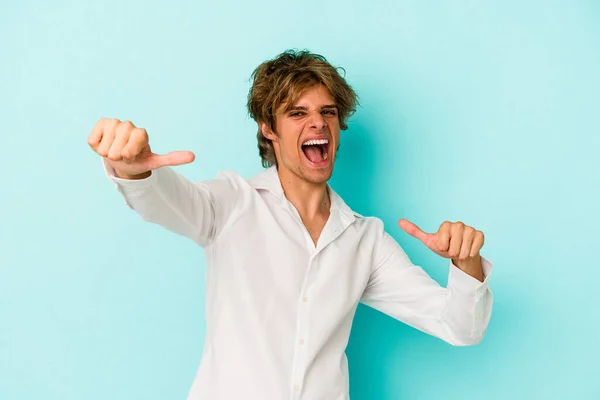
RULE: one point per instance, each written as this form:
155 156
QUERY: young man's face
307 135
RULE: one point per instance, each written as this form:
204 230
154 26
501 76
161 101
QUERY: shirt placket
303 313
301 341
331 230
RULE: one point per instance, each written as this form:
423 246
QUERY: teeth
315 141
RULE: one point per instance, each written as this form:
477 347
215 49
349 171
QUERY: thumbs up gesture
456 241
127 149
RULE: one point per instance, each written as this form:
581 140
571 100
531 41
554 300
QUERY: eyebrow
301 108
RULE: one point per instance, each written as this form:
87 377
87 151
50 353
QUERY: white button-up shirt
278 308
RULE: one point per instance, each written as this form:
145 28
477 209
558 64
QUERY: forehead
315 94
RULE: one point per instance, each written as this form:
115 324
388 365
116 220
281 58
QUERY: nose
317 121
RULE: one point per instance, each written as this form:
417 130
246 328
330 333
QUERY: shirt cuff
467 284
128 187
126 183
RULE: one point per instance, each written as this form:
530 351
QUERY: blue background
484 112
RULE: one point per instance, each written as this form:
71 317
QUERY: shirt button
305 299
301 342
297 388
478 316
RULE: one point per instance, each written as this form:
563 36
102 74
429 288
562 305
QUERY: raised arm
154 190
458 314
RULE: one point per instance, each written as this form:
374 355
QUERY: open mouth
316 151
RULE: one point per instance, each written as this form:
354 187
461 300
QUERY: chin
317 175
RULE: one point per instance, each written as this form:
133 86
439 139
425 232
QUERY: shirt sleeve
458 314
196 210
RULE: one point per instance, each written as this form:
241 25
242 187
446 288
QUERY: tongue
313 153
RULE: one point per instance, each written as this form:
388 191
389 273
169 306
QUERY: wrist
123 175
471 266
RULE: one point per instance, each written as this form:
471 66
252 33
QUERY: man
287 260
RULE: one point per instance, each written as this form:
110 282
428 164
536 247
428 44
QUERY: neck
310 199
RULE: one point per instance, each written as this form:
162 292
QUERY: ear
267 132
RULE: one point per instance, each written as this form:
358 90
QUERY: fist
452 240
127 149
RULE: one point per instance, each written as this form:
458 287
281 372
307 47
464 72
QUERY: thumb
173 159
415 231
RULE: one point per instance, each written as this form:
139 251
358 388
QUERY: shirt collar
269 180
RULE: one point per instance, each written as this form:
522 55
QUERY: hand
127 149
456 241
